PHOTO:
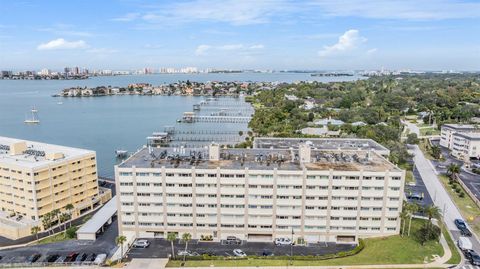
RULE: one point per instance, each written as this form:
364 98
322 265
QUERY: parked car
415 196
141 243
462 227
233 240
464 244
207 252
187 253
239 253
473 257
80 258
90 258
100 259
33 258
282 241
71 257
61 259
48 259
267 252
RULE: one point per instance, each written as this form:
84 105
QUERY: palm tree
431 211
47 221
70 207
453 170
120 240
186 237
34 230
63 219
172 237
436 151
55 214
412 208
403 216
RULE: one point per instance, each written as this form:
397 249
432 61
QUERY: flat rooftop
460 126
259 159
100 218
469 135
36 153
321 143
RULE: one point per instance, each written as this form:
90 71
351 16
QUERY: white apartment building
322 194
448 130
466 145
37 178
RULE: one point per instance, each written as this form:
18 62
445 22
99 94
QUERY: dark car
460 223
90 258
33 258
52 258
462 227
473 257
81 257
267 252
71 257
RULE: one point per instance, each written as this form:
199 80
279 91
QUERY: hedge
341 254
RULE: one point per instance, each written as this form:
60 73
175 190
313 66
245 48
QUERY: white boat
34 117
121 153
60 103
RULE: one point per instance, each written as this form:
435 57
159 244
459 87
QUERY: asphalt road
161 248
439 195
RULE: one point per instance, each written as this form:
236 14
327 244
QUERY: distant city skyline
261 34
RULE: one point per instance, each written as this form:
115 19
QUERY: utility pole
291 249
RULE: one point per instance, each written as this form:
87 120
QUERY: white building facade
448 130
260 194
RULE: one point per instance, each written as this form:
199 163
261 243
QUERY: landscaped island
178 88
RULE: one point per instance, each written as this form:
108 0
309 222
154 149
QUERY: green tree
35 230
120 240
453 170
403 217
172 237
411 208
436 151
431 211
69 208
412 139
47 221
186 237
55 215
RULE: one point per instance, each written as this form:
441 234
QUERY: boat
121 153
34 119
60 103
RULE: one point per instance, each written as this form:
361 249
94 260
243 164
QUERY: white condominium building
448 130
324 190
466 145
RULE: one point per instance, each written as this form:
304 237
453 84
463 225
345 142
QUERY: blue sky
256 34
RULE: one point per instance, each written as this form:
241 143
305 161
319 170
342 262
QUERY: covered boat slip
97 223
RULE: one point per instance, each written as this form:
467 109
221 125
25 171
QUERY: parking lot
161 248
105 244
472 181
418 189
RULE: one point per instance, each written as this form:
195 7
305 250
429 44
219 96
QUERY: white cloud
372 51
401 9
350 40
61 43
203 49
128 17
227 11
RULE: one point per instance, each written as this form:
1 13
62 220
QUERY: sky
242 34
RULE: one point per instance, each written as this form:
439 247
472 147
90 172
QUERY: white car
142 243
187 253
239 253
100 259
283 241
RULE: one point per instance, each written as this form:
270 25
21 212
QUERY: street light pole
291 249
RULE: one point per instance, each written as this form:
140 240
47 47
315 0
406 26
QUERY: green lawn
466 205
52 239
456 258
387 250
429 131
55 238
